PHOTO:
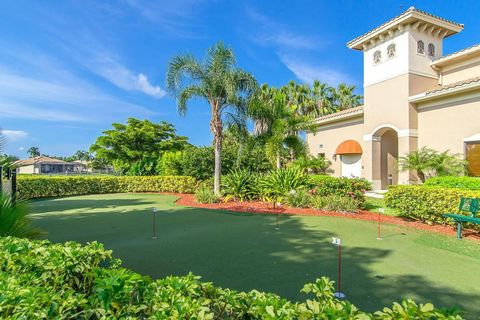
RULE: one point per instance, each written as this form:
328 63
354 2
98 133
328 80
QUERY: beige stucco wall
461 71
444 123
26 169
331 135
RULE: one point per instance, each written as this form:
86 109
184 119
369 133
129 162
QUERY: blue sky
68 69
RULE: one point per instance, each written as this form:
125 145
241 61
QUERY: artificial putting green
243 251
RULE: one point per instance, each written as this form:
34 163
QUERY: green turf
243 251
374 205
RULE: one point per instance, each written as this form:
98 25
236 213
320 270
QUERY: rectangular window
473 158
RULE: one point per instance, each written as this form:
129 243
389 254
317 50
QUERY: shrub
298 198
326 185
469 183
43 280
59 186
239 185
206 195
336 203
314 165
276 185
427 203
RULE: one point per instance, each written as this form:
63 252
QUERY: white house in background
414 97
47 165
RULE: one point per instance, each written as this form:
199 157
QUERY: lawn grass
243 251
374 205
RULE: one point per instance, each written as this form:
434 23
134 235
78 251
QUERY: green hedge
58 186
470 183
427 203
43 280
327 185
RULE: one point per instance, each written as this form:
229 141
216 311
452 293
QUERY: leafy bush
59 186
469 183
314 165
14 219
335 202
427 163
239 185
276 185
326 185
427 203
206 195
298 198
43 280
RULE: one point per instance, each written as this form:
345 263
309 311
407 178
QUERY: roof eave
356 114
451 28
422 97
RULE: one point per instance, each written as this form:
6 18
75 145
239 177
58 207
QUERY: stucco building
47 165
413 97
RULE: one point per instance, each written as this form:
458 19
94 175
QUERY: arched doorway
385 156
350 153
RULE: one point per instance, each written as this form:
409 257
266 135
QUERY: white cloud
14 135
308 73
21 148
66 99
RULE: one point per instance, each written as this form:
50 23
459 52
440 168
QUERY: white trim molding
474 138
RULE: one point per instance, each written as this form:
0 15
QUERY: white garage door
351 165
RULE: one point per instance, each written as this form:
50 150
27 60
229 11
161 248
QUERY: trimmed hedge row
30 187
427 203
470 183
43 280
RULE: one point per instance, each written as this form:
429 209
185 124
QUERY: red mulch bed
188 200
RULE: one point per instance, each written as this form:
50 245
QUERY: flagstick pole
379 237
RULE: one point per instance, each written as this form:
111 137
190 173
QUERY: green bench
471 207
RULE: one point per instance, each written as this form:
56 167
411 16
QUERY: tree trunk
279 163
216 127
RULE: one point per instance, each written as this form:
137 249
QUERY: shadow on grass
243 254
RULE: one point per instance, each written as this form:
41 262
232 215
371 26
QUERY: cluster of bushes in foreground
291 186
30 187
43 280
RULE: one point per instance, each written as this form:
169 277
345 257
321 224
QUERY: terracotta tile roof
453 85
457 53
409 10
341 114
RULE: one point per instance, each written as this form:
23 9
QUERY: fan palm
345 98
322 99
217 80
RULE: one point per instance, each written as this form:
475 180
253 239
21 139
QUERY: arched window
420 47
377 57
391 51
431 50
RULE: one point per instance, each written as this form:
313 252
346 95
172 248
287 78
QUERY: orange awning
349 147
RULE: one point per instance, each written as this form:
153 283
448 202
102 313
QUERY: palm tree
217 80
344 97
280 123
33 152
322 96
419 161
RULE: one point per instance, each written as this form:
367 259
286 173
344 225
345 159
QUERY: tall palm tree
216 79
280 122
344 97
322 96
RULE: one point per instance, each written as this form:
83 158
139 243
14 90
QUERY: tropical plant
279 122
344 97
206 195
322 99
426 162
276 185
14 219
137 143
170 163
298 198
218 81
239 185
33 152
313 165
